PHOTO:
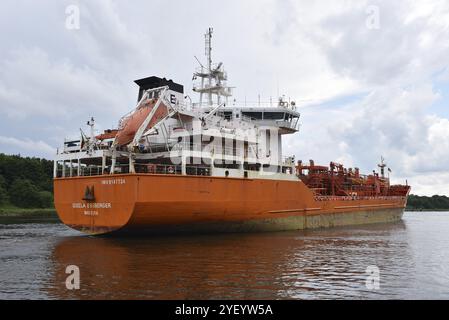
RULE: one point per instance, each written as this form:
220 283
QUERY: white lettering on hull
93 205
91 213
113 181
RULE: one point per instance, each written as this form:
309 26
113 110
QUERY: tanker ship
173 165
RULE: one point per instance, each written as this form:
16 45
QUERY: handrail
212 148
253 104
150 168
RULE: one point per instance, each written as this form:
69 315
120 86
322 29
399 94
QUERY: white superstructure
212 137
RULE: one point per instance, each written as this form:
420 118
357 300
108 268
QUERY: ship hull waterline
155 204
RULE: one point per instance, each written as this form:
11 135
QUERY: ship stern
97 204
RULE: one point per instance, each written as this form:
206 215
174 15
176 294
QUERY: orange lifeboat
131 124
108 134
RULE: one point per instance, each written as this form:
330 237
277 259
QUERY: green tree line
25 182
428 203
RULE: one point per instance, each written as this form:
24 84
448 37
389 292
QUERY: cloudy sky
371 77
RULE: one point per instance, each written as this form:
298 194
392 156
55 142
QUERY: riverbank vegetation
10 211
423 203
25 182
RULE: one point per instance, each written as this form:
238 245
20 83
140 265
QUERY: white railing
150 168
254 104
211 148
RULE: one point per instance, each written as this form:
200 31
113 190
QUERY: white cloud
32 84
406 48
395 66
27 146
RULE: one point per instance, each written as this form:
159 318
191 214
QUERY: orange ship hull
152 203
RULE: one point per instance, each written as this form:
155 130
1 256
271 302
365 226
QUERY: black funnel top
155 82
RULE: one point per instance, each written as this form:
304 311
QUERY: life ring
171 170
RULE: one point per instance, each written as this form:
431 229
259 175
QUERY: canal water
405 260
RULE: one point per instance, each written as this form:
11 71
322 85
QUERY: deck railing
149 168
217 150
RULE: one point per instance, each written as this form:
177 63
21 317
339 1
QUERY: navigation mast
214 74
382 166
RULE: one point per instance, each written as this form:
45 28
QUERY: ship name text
93 205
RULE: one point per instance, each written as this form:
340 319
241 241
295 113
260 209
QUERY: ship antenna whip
199 62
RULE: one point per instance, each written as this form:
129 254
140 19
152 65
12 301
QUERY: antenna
382 166
213 77
208 37
91 124
218 67
208 47
199 62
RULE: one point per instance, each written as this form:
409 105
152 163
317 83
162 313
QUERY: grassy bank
25 213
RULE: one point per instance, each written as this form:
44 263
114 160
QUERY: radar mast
212 78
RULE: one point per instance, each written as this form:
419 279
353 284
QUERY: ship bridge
285 119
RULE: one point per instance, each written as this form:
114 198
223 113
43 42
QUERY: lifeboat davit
133 122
